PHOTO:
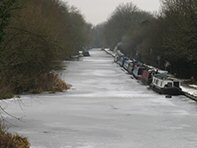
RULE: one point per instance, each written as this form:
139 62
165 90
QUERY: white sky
98 11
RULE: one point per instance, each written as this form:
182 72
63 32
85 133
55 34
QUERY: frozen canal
104 109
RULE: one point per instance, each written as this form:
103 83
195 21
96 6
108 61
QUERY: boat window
140 71
176 84
157 82
161 83
149 75
169 84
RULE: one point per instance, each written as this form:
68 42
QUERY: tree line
167 39
35 37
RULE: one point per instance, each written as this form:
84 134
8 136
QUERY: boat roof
165 76
129 61
163 72
120 53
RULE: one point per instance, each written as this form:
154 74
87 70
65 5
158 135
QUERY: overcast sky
97 11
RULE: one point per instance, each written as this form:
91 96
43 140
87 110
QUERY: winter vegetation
167 40
8 140
35 37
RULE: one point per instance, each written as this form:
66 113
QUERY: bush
8 140
48 82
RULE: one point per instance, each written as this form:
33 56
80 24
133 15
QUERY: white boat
166 84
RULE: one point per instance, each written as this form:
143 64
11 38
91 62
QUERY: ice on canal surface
104 109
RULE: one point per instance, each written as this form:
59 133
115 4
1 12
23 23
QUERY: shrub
8 140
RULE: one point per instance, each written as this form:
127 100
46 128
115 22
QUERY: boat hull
174 91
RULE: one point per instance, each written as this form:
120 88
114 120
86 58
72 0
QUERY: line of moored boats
159 80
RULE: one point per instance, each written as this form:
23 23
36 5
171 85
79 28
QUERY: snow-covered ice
104 109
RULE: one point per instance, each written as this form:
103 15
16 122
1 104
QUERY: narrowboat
131 67
122 60
86 53
137 70
166 84
126 64
147 76
118 56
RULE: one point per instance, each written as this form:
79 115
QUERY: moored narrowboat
118 56
122 60
137 70
147 76
166 84
126 64
130 67
86 53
